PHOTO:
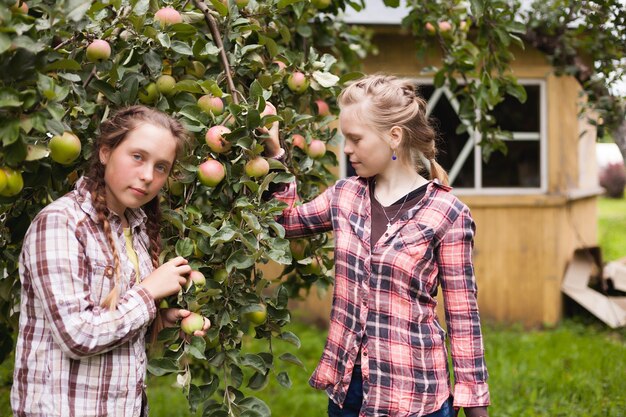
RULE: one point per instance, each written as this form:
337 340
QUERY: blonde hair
113 131
387 101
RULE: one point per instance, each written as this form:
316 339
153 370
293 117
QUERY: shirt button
363 353
386 234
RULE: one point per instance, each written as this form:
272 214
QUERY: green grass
612 227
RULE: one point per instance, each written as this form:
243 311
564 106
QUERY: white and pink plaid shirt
73 357
384 300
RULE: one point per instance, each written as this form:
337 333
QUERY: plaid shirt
73 357
384 300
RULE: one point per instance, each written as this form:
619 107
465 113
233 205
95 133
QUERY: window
521 170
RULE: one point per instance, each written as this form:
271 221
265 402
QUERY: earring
393 155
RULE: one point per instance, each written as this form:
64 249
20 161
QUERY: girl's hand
168 278
171 317
272 142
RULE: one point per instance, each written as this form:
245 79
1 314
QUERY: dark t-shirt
393 212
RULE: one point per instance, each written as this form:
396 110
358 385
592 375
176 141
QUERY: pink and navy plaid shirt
384 301
73 357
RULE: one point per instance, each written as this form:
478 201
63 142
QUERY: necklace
406 197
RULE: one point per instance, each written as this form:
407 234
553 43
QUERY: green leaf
254 407
290 337
236 376
182 48
254 361
164 39
258 381
76 9
63 64
141 7
239 260
291 358
162 366
350 76
204 229
225 234
105 88
284 3
283 379
36 152
174 218
184 247
9 131
5 42
9 98
325 79
251 220
196 347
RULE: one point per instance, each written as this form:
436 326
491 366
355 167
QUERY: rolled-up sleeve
458 283
306 219
55 266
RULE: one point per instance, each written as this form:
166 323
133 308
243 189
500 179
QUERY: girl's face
138 167
369 153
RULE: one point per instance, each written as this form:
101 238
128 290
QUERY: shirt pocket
415 240
101 281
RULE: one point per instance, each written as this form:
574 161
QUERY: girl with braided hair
90 277
398 237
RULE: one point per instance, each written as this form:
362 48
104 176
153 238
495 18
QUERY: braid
99 203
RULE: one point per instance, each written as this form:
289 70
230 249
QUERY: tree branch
210 21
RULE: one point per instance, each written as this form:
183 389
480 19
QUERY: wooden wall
523 242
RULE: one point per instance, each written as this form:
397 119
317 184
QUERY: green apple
321 4
211 105
64 149
166 84
257 167
14 184
98 50
192 323
297 82
150 95
256 316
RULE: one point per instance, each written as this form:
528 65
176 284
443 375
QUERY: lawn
574 369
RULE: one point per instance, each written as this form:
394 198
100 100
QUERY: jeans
354 400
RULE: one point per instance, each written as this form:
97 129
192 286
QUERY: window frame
475 137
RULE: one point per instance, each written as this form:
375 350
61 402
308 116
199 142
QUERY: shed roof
376 13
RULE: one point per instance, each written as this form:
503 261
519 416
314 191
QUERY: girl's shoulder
441 198
356 185
68 207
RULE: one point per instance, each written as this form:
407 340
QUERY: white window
522 170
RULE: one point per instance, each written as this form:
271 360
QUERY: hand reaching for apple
191 323
272 142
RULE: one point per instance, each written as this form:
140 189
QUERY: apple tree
215 65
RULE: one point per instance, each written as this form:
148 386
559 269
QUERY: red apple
64 149
168 16
211 105
430 28
316 149
445 26
298 141
297 82
215 139
192 323
257 167
322 108
211 172
98 50
20 8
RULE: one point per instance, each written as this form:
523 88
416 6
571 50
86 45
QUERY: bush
613 179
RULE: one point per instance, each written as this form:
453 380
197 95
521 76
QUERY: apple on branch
257 167
65 148
211 104
168 16
98 50
215 139
211 172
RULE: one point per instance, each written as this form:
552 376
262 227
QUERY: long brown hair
389 101
113 131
